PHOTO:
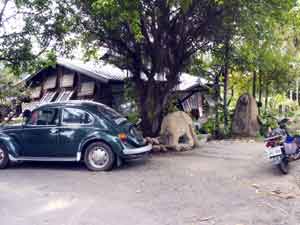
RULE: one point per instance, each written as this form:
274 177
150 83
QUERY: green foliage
267 120
161 37
258 39
29 29
9 88
278 100
133 117
209 126
115 13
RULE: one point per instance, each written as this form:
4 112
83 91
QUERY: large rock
177 131
245 120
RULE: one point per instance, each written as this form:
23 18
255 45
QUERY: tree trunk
254 84
225 74
266 97
152 103
259 92
216 98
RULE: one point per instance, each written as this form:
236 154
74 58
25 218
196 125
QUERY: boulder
177 132
245 120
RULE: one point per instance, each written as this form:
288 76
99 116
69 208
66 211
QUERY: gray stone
245 121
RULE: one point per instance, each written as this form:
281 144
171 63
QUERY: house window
67 80
64 96
194 102
50 82
87 89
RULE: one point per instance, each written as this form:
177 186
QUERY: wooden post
59 75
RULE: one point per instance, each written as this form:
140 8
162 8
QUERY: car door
40 133
76 124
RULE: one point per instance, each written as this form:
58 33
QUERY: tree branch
3 10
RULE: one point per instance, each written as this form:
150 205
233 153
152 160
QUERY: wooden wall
107 93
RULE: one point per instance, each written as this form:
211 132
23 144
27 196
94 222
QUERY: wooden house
76 80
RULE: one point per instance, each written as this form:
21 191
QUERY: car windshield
111 114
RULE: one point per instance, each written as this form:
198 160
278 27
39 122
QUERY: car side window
44 117
76 116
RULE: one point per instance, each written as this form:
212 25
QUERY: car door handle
53 131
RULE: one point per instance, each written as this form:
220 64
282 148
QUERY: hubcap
1 155
98 157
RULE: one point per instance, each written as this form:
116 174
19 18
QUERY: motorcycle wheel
284 166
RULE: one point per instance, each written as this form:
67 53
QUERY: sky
12 20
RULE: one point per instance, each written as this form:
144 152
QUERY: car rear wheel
99 157
4 160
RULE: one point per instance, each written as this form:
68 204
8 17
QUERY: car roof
71 103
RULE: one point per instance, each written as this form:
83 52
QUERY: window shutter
50 82
48 97
87 89
36 92
30 106
67 80
64 96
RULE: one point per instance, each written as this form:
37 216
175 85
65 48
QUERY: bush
208 127
133 117
267 120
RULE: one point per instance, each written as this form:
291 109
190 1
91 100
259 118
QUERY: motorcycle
281 148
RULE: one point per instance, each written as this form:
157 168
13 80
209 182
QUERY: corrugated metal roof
188 81
107 72
98 70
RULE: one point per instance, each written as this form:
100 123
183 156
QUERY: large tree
153 39
25 36
251 46
27 33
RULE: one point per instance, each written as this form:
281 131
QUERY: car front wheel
99 157
3 157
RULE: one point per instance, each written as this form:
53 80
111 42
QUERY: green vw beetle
73 131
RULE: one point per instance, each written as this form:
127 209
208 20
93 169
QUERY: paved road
225 183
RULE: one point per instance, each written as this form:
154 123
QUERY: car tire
99 157
4 158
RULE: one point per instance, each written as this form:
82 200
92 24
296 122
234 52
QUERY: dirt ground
222 183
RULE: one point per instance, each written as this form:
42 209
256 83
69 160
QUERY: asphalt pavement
222 183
